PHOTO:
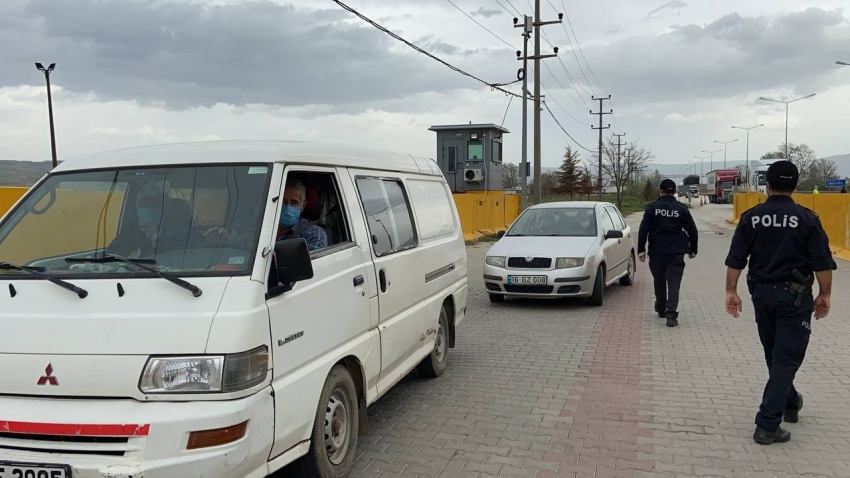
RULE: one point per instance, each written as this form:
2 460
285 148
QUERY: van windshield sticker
258 170
238 260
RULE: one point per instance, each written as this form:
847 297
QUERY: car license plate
30 470
526 280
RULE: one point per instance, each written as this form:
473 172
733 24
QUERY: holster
751 284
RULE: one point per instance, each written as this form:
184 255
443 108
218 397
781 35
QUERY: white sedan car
561 249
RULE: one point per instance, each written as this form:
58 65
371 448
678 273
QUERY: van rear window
433 210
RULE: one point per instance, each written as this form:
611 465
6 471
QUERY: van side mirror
500 234
614 235
293 261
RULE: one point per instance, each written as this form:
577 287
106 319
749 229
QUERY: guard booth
470 156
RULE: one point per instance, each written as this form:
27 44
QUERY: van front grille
66 444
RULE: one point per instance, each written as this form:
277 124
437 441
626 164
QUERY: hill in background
22 173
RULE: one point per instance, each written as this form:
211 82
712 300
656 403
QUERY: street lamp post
724 149
46 72
748 147
701 158
786 103
711 165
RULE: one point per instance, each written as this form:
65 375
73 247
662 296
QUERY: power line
480 25
366 19
515 8
511 100
565 91
572 48
579 47
564 130
506 9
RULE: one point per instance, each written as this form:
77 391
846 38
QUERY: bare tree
820 170
619 166
587 184
569 175
800 154
548 184
510 176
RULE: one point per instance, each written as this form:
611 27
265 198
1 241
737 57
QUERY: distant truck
719 185
758 178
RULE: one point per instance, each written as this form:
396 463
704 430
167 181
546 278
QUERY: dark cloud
729 57
671 5
486 13
188 54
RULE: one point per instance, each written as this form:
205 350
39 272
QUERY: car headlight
205 373
495 261
568 262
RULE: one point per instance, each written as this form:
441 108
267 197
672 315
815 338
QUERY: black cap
783 176
668 186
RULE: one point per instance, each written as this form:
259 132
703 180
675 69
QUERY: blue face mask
147 215
290 216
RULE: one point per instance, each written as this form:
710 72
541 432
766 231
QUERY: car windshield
569 221
191 220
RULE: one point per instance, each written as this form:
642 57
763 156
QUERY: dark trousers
667 272
784 330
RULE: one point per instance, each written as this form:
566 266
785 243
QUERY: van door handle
382 278
358 281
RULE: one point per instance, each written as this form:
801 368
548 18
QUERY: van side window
322 222
388 215
433 208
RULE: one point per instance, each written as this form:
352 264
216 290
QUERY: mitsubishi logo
48 377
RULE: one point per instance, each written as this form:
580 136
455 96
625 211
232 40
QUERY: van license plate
527 280
30 470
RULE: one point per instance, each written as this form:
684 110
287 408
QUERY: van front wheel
335 429
435 363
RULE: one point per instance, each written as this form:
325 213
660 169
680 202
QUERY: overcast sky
681 72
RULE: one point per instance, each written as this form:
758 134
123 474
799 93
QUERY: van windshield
190 220
569 221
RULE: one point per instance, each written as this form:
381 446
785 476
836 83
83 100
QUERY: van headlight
495 261
205 373
568 262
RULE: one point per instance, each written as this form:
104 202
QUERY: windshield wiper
39 272
195 290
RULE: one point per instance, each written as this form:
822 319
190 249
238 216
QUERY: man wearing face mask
291 223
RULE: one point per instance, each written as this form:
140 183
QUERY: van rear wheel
335 429
435 363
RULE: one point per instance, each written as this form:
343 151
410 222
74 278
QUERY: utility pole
618 170
538 191
725 144
600 128
527 26
47 72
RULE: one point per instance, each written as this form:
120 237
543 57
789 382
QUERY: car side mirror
293 261
614 235
500 234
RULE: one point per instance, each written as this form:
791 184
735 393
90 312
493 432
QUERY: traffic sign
835 183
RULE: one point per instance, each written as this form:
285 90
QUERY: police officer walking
672 233
785 244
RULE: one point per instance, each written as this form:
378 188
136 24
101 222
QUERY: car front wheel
596 298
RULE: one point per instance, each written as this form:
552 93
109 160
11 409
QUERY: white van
219 309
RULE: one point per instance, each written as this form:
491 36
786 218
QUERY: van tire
596 299
496 298
333 456
435 363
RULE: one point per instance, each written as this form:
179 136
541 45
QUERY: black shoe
764 437
672 322
793 415
662 312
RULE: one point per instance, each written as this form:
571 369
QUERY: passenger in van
291 223
164 224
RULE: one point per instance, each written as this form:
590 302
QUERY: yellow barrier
486 213
833 210
480 213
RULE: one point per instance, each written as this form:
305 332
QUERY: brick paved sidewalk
560 389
